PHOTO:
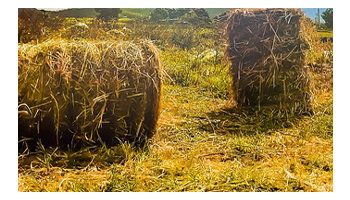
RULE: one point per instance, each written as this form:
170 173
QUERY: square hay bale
81 92
266 48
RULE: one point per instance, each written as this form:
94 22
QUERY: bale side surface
266 50
88 92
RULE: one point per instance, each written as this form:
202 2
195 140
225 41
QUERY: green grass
202 69
145 12
325 33
136 12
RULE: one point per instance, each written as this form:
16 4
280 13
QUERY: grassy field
326 33
145 12
202 143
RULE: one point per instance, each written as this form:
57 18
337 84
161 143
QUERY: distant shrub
328 18
194 16
35 25
108 13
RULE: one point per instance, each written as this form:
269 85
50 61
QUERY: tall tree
159 14
197 16
108 13
188 15
328 17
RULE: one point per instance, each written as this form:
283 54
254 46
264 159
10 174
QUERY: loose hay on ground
83 92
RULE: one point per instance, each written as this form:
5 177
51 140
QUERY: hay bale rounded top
83 92
266 49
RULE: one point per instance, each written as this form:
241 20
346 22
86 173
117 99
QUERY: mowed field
202 142
201 145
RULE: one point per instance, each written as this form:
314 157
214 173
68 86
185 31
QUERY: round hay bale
266 48
82 92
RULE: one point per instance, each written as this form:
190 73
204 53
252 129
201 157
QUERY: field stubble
199 147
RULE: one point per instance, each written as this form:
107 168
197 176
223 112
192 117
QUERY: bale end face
266 50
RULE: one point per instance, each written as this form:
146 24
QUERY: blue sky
311 12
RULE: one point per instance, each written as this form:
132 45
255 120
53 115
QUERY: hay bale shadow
87 158
247 122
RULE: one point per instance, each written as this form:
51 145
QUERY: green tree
159 14
328 17
177 12
108 13
196 17
187 15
